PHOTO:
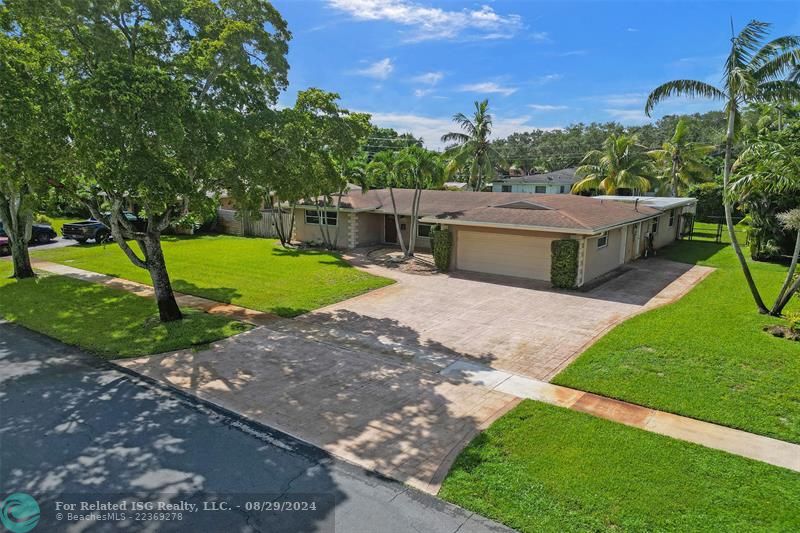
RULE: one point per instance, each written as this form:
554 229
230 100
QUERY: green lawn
704 356
254 273
544 468
705 231
105 321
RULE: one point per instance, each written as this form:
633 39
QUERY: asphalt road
74 430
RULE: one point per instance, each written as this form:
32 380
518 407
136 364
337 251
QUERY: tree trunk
728 215
785 294
21 258
168 309
397 222
674 179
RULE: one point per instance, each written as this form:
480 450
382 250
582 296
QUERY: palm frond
777 91
690 88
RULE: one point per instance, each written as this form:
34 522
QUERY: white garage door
507 255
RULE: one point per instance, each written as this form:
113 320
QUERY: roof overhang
526 227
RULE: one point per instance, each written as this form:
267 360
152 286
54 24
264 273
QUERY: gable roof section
554 212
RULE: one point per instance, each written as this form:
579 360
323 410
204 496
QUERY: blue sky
414 63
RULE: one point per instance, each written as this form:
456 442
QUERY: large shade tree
33 129
756 71
158 89
621 164
470 149
682 162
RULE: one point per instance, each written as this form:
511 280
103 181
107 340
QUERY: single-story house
506 233
556 182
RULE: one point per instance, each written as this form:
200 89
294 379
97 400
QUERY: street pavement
76 431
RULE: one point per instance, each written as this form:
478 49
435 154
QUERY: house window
506 188
312 217
424 230
562 189
602 241
654 227
671 217
540 189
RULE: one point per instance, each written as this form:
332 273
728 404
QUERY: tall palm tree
682 160
421 169
754 72
621 164
471 149
381 172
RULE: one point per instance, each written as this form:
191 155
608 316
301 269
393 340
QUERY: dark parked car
41 233
92 229
5 247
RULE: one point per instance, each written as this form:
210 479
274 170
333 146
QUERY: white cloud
487 87
379 70
431 23
429 78
419 93
629 116
547 78
569 53
431 129
547 107
632 30
621 99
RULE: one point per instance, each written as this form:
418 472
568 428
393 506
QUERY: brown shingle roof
555 211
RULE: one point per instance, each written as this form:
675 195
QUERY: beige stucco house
507 233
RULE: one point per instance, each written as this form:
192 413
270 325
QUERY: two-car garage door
508 255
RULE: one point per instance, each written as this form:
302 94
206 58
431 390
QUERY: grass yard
704 356
706 231
105 321
254 273
544 468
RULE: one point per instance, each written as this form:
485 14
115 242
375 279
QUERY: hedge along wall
442 247
564 263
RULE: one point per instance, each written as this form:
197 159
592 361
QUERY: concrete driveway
514 325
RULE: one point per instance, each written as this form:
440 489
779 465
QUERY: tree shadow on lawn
75 430
371 394
104 320
218 294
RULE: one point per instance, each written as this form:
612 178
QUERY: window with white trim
505 188
424 230
602 241
671 217
654 227
329 217
540 189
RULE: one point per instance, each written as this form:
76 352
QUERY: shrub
42 219
442 246
564 264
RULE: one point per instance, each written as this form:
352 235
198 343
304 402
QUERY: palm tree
381 172
471 149
421 169
772 166
620 164
682 160
754 72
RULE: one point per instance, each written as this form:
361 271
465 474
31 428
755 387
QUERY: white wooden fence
232 223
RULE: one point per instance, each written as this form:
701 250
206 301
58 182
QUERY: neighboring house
506 233
556 182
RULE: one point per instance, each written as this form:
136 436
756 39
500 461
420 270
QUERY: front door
391 229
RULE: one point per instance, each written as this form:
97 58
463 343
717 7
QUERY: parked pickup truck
5 246
40 234
92 229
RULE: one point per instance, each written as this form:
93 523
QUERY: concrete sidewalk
243 314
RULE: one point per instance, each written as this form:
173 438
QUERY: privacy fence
232 222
